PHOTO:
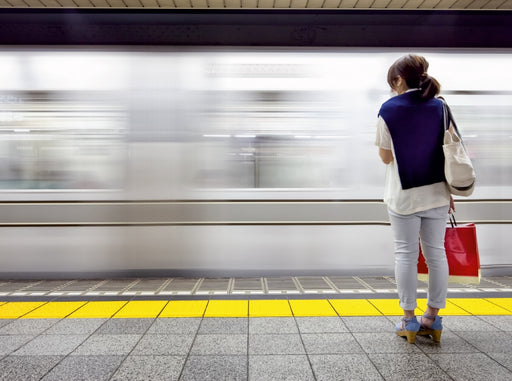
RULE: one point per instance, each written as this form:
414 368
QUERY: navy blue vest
416 128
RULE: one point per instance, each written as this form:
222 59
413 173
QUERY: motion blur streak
217 124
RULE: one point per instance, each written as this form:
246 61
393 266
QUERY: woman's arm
386 155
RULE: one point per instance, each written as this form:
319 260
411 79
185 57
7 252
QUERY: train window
60 141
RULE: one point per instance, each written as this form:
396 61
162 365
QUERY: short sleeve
383 138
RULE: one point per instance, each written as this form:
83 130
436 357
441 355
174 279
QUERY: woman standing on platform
410 136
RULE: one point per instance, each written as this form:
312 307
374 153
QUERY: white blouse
411 200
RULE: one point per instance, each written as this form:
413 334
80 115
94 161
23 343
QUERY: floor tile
125 326
479 306
97 368
58 345
227 308
316 307
472 366
467 323
269 325
388 307
504 359
275 344
184 308
54 310
330 343
10 343
354 307
26 368
154 368
219 345
269 308
501 323
183 326
75 327
278 368
384 342
450 343
14 310
375 324
224 326
489 341
141 309
205 368
321 324
505 303
27 326
98 309
5 322
107 345
161 344
407 367
354 367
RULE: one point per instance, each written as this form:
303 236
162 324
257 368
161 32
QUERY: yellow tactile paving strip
241 308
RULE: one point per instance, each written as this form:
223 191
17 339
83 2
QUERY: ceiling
264 4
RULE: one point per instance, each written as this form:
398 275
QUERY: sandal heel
436 335
411 336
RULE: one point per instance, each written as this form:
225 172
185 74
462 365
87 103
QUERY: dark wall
318 28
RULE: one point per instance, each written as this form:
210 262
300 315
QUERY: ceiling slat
132 3
348 3
429 4
265 3
396 4
183 3
506 5
364 4
412 4
299 3
83 3
100 3
117 3
55 4
193 3
445 4
282 3
332 3
34 3
477 4
215 3
250 3
461 4
380 4
233 3
314 4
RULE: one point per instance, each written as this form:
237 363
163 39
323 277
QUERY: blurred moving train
225 161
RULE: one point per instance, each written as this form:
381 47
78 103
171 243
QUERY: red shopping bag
462 254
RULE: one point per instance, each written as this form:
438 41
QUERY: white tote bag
458 168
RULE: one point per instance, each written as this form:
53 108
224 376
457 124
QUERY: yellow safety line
243 308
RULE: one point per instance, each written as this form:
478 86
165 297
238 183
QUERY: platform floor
338 335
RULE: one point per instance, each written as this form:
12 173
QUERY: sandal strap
428 316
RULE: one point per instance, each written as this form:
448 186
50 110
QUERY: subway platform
272 328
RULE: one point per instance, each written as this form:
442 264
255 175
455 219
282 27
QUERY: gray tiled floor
302 348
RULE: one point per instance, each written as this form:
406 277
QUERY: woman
410 137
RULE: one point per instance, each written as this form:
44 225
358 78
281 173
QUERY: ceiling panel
263 4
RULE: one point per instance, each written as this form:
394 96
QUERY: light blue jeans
429 226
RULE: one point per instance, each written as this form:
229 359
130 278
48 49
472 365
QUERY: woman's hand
452 206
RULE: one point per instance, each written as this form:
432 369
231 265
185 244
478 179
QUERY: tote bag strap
448 118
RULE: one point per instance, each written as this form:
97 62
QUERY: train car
159 158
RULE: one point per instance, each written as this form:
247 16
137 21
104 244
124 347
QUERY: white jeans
430 226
